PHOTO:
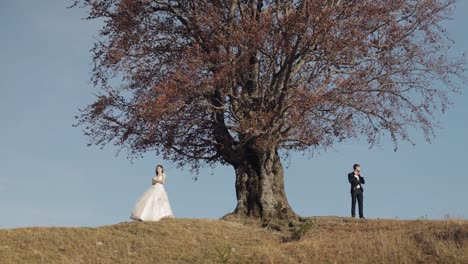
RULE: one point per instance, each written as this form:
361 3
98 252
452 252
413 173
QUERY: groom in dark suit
356 179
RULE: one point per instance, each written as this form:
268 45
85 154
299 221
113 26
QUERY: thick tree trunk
260 187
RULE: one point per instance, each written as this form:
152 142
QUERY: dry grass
318 240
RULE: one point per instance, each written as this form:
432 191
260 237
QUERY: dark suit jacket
354 182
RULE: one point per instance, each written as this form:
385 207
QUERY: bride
153 205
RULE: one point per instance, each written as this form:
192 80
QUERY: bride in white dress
153 205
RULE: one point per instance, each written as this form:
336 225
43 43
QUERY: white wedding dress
153 205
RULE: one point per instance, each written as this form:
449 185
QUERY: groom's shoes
360 217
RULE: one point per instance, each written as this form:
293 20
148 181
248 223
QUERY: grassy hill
318 240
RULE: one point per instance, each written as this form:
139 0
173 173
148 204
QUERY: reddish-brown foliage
203 81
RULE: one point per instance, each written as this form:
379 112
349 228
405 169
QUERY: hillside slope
319 240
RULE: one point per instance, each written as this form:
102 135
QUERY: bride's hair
162 168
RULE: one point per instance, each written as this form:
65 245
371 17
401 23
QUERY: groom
356 180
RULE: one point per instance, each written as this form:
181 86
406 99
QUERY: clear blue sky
49 177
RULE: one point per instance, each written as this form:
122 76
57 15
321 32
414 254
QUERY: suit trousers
357 195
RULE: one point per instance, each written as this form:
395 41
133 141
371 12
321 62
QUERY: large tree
240 82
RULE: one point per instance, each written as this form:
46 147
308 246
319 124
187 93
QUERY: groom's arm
352 179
